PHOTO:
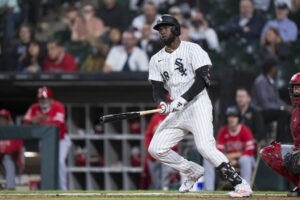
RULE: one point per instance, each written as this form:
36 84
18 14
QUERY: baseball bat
126 115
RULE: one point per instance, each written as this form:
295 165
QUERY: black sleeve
201 81
159 92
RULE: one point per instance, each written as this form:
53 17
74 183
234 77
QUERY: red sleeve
221 139
28 116
249 145
70 64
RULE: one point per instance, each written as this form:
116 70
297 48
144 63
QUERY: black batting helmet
168 20
233 111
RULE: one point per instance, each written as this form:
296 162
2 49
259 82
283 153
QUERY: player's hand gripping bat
126 115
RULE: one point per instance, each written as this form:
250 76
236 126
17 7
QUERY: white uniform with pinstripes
195 117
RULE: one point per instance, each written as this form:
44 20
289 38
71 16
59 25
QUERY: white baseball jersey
177 69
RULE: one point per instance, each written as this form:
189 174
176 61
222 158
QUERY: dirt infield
137 196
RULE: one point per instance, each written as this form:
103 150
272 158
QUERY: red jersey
66 63
13 148
151 128
239 141
295 126
55 115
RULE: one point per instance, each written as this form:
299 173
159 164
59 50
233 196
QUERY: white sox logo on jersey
180 67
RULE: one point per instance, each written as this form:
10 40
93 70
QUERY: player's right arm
30 116
158 90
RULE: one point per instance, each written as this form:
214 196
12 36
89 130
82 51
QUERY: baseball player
182 69
285 159
49 111
10 153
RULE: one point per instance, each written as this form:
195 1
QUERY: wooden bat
126 115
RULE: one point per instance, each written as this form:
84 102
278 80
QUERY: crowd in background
87 36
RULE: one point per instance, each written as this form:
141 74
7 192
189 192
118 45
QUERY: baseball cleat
188 184
241 190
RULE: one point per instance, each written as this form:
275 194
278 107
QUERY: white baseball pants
195 117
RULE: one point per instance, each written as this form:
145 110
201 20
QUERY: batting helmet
233 111
295 80
44 93
168 20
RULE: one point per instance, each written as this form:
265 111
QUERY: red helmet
44 93
295 80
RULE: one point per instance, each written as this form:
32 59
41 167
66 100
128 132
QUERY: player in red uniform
10 152
285 159
236 141
50 111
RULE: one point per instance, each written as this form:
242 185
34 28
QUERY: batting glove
178 104
165 108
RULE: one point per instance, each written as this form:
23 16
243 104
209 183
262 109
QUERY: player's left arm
202 80
201 65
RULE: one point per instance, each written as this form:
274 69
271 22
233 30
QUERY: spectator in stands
33 60
115 37
246 26
149 17
10 152
148 45
88 26
113 15
18 50
10 14
295 14
201 33
71 14
288 29
249 117
273 46
95 60
236 141
58 60
126 57
266 100
51 112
